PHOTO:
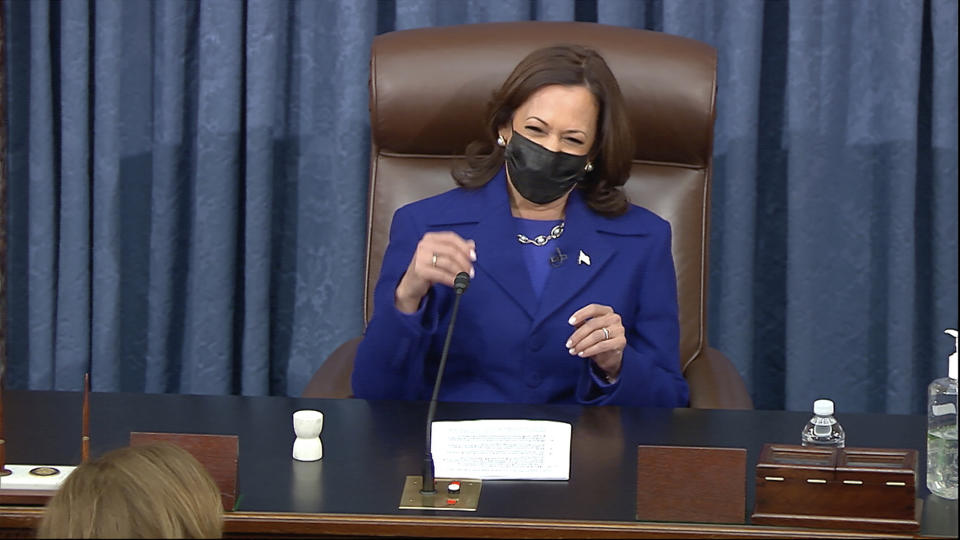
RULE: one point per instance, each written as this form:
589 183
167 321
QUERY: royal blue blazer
508 345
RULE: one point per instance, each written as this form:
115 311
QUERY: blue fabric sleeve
650 372
390 359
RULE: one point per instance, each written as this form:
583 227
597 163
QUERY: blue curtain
187 188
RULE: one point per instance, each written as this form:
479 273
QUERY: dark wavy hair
567 65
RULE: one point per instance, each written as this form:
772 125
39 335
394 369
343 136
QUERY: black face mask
541 176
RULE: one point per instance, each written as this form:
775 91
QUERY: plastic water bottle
942 430
823 429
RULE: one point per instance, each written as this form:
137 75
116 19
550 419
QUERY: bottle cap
952 360
823 407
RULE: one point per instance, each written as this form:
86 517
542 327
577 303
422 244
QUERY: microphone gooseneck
460 284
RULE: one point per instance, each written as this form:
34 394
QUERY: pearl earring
500 141
588 167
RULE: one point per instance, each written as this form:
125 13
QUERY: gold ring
434 260
606 334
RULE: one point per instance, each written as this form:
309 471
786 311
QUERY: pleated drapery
186 188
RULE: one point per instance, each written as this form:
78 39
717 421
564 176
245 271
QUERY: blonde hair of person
150 491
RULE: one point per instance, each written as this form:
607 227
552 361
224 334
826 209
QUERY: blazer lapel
499 258
587 253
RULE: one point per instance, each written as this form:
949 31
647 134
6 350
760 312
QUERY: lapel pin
583 258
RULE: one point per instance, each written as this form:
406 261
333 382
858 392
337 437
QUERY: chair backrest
429 89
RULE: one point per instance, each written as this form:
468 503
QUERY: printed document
502 449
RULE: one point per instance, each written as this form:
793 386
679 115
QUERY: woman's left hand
600 336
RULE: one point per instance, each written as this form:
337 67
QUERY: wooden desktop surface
370 446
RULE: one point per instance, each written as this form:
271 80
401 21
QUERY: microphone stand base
466 500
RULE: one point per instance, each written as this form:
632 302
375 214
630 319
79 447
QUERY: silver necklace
541 240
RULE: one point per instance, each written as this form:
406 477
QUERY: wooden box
837 488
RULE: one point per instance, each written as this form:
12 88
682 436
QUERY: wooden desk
369 447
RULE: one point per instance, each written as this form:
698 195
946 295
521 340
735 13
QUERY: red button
451 501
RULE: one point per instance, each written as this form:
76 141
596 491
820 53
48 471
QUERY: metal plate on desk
467 500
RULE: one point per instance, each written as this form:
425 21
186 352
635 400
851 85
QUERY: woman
150 491
573 293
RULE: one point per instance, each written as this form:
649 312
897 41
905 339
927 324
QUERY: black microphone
460 284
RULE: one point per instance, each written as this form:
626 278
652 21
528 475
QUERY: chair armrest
715 383
332 378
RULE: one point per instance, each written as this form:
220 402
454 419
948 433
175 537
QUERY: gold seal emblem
45 471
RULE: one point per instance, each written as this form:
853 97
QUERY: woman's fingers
598 341
599 335
591 321
441 256
438 258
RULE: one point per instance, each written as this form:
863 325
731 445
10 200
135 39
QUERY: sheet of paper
502 449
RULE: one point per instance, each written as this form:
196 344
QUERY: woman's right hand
439 257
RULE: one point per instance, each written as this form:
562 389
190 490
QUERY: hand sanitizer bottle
823 429
942 430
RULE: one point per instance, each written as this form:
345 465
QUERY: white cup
307 425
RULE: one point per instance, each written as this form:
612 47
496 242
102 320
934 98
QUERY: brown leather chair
428 93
